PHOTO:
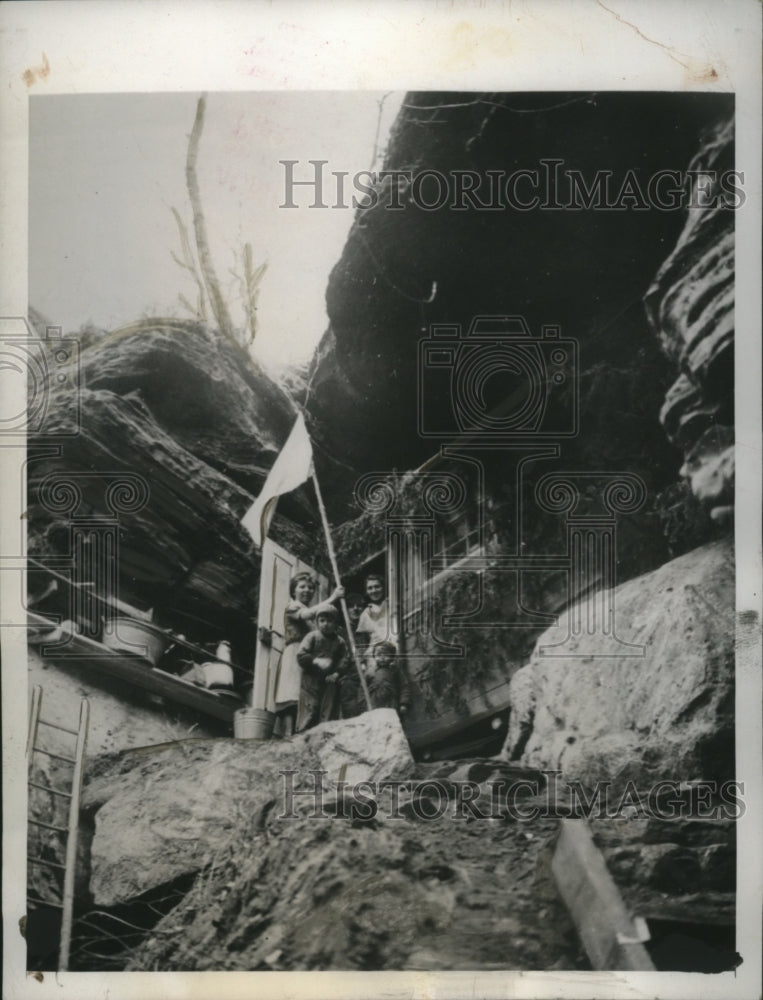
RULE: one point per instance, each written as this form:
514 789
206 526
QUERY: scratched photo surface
468 356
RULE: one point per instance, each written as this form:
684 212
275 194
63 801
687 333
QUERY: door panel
278 567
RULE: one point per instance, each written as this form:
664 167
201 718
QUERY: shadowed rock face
586 270
394 895
321 881
691 308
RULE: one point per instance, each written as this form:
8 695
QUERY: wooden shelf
134 670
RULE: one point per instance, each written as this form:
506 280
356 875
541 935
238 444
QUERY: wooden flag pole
342 602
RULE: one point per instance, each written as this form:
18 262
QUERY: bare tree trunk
217 302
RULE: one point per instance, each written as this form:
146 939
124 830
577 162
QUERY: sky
106 170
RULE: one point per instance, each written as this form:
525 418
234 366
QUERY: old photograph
379 555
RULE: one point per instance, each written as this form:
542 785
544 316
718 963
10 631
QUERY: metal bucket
253 724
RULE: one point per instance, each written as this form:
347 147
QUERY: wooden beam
606 928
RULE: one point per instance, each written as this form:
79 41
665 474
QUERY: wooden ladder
70 831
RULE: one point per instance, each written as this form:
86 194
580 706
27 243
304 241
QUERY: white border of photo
524 45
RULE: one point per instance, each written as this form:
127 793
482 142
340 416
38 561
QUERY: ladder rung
49 826
53 791
55 725
44 902
42 861
58 756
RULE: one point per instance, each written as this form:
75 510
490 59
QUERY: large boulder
668 714
163 812
390 894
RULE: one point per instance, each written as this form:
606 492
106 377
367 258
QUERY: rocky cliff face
587 270
406 269
393 895
691 308
172 431
670 712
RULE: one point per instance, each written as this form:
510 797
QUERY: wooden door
278 567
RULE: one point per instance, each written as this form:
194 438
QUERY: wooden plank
71 840
34 719
44 902
47 826
56 756
55 725
96 657
32 860
605 926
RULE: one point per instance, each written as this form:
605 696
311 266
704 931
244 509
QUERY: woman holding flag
298 620
292 467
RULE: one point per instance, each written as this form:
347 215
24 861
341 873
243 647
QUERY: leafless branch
217 302
188 263
380 104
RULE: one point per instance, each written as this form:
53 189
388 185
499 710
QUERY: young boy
321 655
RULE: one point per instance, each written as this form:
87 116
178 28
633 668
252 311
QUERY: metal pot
127 635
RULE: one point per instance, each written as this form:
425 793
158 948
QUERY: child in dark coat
322 656
388 684
387 680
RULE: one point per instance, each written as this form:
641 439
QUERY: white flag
292 468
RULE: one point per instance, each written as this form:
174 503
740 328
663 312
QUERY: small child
321 655
387 681
388 684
